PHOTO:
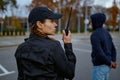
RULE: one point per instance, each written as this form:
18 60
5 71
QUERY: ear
39 24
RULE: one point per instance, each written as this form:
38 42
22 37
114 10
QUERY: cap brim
55 16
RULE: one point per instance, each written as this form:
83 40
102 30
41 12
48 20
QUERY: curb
3 46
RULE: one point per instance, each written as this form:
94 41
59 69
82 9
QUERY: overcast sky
23 2
105 3
23 12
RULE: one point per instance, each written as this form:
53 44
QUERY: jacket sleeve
65 61
96 47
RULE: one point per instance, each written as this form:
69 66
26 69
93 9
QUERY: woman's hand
66 38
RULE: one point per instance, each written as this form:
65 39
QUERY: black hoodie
98 20
103 50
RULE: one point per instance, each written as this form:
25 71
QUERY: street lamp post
86 16
59 10
59 22
78 17
78 28
2 21
1 30
119 16
28 29
119 22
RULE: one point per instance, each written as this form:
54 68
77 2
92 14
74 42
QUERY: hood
97 19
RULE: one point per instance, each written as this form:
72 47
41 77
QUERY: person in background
41 57
103 50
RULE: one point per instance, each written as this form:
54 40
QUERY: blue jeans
100 72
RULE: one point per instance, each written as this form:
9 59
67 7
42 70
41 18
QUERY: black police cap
41 13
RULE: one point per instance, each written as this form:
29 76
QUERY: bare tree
4 3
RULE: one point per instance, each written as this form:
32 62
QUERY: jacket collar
32 35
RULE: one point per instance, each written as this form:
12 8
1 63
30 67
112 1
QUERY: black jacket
41 58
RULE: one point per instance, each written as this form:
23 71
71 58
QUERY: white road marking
83 50
5 71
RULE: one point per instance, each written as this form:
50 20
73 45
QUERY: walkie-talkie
67 27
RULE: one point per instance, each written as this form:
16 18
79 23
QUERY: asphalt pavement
81 47
6 41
